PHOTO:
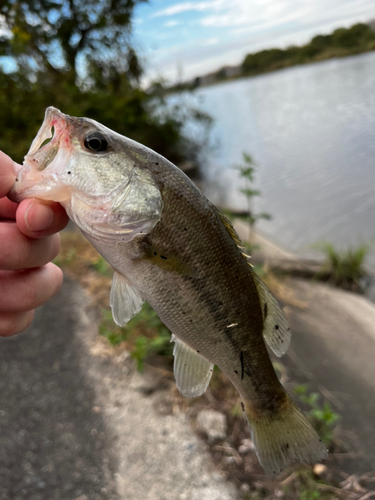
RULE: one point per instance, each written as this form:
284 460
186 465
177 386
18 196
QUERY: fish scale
170 246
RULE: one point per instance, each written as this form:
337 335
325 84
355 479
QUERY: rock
246 446
214 424
319 469
279 493
212 493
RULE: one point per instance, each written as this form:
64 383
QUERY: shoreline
274 70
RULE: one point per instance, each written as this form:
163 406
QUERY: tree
70 37
77 55
354 36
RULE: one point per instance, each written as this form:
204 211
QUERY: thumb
8 172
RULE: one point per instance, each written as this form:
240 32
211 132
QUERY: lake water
311 131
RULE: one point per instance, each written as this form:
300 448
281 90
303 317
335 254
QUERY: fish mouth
33 179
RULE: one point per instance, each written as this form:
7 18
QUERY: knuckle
7 254
9 325
59 278
53 279
15 249
28 319
12 324
29 296
55 245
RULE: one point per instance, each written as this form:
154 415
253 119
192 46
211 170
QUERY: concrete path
333 344
75 423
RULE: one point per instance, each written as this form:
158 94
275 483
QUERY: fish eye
96 142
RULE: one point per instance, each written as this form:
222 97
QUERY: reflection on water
311 130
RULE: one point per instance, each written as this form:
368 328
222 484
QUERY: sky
179 40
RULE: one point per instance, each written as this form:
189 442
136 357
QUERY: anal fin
192 372
124 300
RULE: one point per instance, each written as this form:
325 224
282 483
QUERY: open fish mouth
53 127
35 179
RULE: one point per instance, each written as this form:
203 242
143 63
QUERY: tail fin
284 438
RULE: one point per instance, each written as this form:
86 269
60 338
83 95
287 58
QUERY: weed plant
320 414
145 334
247 172
345 269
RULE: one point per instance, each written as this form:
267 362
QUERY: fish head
100 177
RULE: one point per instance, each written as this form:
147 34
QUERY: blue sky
183 39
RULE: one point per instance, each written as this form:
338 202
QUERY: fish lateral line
243 371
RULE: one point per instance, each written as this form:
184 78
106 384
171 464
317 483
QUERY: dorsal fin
233 234
276 330
230 229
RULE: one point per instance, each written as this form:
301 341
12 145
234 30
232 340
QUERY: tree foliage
342 42
77 55
57 36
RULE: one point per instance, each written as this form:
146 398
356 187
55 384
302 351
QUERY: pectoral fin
192 372
124 300
276 330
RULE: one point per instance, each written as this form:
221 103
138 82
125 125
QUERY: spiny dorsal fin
192 372
276 330
230 229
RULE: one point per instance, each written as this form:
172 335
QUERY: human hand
27 245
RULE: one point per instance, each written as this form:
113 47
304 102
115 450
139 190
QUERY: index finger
8 169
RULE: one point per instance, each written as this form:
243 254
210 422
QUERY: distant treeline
342 42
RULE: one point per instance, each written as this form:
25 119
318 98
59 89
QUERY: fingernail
38 217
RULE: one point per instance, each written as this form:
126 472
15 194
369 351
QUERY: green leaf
250 192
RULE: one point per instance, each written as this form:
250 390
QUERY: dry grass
79 260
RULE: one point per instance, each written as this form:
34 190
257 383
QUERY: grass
145 334
345 268
320 414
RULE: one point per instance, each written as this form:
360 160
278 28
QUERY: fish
170 246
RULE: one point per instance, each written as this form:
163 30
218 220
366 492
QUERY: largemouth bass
170 246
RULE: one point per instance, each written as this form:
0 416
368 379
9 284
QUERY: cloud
183 7
223 32
170 24
266 14
191 6
211 41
